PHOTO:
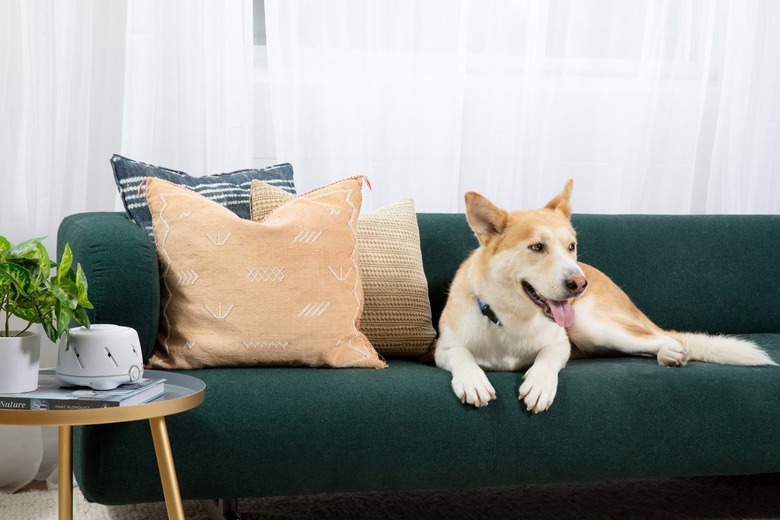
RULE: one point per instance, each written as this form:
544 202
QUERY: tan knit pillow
240 293
397 313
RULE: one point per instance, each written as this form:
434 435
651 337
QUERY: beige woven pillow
397 313
240 293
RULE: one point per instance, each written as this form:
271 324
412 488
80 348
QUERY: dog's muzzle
560 311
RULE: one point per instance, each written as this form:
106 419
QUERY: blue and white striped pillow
228 189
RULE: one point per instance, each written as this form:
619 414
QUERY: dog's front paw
538 389
472 386
672 354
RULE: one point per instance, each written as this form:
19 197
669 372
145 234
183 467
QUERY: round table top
182 393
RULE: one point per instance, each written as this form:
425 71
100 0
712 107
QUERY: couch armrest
120 262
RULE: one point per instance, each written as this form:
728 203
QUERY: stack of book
50 395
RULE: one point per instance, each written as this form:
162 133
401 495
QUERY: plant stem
25 329
7 317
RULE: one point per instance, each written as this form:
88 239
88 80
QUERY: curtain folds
163 82
744 164
652 106
188 84
47 62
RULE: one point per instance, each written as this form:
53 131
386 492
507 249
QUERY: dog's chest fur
514 344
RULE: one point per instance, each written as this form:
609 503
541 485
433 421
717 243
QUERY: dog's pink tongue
563 312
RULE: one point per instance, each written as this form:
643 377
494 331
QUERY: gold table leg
65 472
162 448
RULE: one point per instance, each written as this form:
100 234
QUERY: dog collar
486 311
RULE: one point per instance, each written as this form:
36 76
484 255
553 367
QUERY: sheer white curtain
188 84
161 82
656 106
57 96
58 61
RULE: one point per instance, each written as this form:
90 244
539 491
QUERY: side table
182 393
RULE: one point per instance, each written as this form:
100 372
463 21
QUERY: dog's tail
724 350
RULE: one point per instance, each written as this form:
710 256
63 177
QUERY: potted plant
29 291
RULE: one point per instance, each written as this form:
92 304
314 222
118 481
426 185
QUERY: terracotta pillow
240 293
397 313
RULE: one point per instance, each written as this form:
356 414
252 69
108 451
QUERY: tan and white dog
512 305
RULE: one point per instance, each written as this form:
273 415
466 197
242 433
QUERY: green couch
289 431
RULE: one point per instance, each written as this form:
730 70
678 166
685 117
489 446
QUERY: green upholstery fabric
121 267
714 273
280 431
445 241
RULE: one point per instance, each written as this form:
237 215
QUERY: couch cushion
282 431
228 189
397 314
239 293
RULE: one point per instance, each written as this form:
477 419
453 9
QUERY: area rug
743 498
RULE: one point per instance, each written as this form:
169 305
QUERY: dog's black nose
576 284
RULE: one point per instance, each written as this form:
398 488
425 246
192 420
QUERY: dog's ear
486 219
561 201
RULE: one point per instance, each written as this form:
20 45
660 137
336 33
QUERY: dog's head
533 252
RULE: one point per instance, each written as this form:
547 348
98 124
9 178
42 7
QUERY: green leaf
65 262
64 314
27 291
80 317
26 313
66 293
51 332
44 263
82 286
15 276
27 249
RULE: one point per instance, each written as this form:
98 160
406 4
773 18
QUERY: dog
522 300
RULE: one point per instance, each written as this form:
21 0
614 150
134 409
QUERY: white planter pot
19 362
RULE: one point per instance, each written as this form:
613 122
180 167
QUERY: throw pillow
228 189
240 293
397 313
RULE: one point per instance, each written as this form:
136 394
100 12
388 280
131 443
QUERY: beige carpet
753 497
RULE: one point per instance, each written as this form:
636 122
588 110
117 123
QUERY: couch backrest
446 240
713 273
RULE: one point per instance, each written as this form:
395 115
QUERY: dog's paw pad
672 354
473 387
538 389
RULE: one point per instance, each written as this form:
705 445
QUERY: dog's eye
572 246
536 248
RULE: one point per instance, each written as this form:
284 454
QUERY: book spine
25 403
79 404
14 403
